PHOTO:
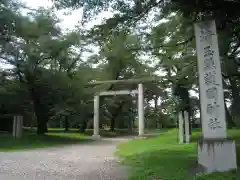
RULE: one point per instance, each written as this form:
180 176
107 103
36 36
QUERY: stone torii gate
139 92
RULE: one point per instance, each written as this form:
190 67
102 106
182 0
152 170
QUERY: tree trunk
40 111
83 126
230 122
130 120
194 123
130 124
112 124
41 127
236 98
156 110
189 120
66 123
113 118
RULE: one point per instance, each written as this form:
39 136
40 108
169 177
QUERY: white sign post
215 152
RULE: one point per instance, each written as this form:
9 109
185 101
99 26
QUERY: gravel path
91 161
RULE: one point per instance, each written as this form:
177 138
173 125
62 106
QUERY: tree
37 44
50 76
8 18
129 12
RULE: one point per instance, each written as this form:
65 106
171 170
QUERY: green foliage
43 61
131 10
50 75
8 19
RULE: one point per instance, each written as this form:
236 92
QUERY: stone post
187 135
140 110
180 129
14 126
215 152
96 118
17 126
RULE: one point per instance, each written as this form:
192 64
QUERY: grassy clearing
31 141
103 132
55 137
163 158
89 132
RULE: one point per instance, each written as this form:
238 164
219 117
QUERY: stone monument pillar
180 129
186 123
183 123
17 126
215 151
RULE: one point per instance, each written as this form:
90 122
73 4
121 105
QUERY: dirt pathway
91 161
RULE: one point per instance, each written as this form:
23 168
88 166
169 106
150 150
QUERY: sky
68 21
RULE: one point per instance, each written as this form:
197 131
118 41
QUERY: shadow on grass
32 141
169 165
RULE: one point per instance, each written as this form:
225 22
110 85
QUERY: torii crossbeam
139 91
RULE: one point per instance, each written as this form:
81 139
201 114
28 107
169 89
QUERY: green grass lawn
103 132
89 132
163 158
31 141
116 133
54 137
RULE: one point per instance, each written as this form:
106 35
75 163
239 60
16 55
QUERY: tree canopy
47 74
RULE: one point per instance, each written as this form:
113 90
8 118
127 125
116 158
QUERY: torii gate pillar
140 110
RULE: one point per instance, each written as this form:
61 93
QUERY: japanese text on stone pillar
210 79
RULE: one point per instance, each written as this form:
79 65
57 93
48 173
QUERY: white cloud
38 3
69 21
69 18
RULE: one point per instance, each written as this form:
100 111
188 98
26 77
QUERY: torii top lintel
125 81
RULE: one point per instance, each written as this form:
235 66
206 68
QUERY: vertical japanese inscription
209 67
209 63
210 80
206 32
